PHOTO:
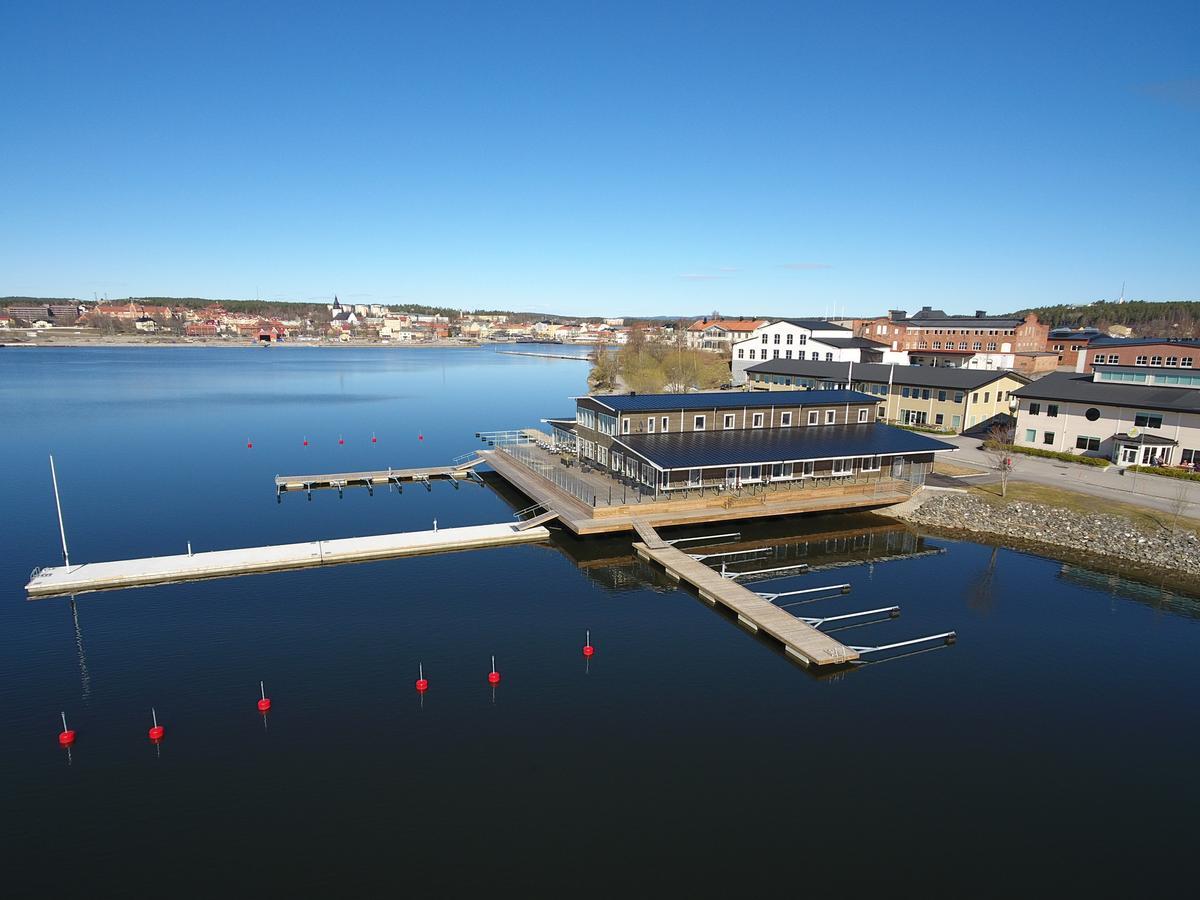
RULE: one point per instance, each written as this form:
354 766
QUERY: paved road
1151 491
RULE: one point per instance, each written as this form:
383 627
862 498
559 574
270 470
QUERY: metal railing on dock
553 473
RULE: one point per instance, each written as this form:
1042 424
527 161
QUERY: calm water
1054 745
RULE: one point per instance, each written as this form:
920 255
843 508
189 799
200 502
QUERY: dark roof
1071 386
1077 334
748 446
1152 440
814 324
727 400
967 322
938 318
878 373
865 343
566 424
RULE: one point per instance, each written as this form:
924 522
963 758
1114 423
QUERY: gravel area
1112 537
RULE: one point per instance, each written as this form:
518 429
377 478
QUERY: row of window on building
700 422
962 345
733 475
1114 359
816 354
883 329
1092 414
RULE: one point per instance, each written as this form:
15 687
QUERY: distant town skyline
761 159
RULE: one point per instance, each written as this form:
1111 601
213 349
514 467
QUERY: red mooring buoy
156 731
422 683
341 440
66 737
374 439
306 442
493 676
588 649
265 703
420 437
249 444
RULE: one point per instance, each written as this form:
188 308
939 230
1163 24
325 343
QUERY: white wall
805 342
1072 423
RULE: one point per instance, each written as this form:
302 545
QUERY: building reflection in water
820 543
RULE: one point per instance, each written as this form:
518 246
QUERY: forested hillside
1169 318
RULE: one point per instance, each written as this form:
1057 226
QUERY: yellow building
948 399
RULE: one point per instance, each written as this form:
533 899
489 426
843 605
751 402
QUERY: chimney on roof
981 313
926 309
897 315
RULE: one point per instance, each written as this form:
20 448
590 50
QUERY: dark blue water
1054 745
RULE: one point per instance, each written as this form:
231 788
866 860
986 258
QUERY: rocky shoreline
1113 538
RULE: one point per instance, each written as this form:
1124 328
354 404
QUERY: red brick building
933 329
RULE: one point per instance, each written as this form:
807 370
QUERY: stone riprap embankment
1113 537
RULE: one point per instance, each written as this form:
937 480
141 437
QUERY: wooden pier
394 477
801 641
78 579
544 355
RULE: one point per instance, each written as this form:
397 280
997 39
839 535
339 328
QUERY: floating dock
544 355
801 641
394 477
125 573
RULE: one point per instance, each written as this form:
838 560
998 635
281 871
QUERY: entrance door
1128 455
731 478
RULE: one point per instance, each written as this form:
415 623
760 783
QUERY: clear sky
642 158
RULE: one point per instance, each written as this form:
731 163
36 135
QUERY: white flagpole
58 505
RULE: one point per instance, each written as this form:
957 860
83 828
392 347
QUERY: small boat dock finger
801 641
339 481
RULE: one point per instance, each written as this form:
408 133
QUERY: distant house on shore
57 314
720 334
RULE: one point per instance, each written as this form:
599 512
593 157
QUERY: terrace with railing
605 491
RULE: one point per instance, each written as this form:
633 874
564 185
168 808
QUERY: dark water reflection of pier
819 543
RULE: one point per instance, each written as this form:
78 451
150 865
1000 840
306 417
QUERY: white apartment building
806 339
1130 415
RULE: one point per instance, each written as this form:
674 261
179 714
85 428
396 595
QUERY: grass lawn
1146 519
949 468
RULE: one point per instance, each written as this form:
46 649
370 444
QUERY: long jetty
376 477
78 579
800 641
543 355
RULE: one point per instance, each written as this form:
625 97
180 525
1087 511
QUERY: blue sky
640 158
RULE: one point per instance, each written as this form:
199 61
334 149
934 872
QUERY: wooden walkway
801 641
100 576
650 537
340 480
541 519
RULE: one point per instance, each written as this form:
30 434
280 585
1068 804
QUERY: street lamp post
1141 434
